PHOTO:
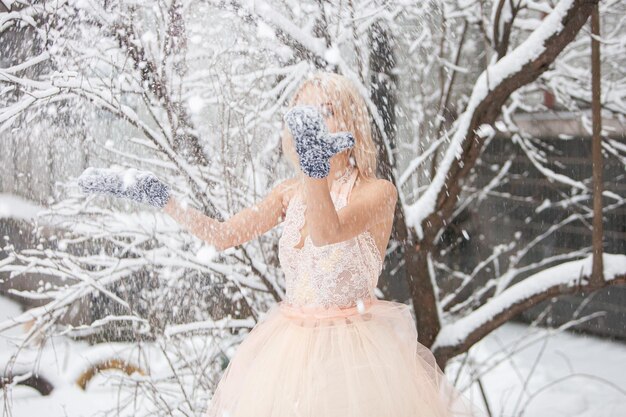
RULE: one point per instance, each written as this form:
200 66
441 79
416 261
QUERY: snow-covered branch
494 85
569 277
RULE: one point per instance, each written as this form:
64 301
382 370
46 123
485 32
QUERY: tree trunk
597 276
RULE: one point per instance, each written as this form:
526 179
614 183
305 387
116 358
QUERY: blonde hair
351 114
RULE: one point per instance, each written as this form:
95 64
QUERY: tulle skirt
356 362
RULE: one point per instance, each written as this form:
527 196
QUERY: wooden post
597 276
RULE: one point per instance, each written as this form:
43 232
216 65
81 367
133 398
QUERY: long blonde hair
351 113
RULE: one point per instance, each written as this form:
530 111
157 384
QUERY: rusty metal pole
597 276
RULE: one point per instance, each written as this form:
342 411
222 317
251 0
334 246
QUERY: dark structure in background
498 218
573 158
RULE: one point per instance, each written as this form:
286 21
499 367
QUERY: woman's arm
240 228
373 205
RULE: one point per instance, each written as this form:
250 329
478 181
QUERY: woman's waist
316 310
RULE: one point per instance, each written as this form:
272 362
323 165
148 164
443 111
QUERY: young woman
331 348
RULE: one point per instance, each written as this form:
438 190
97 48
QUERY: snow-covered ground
525 371
537 372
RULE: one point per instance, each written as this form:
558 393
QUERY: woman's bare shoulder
368 186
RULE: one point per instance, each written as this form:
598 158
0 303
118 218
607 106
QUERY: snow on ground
557 374
62 361
550 373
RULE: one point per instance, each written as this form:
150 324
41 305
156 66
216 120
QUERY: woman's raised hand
314 145
141 186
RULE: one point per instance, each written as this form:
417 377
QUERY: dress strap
346 188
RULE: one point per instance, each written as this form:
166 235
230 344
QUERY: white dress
331 348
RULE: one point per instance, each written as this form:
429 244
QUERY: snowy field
525 372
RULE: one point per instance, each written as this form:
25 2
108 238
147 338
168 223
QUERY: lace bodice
335 275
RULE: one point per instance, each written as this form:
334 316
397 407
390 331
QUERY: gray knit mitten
141 186
314 145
